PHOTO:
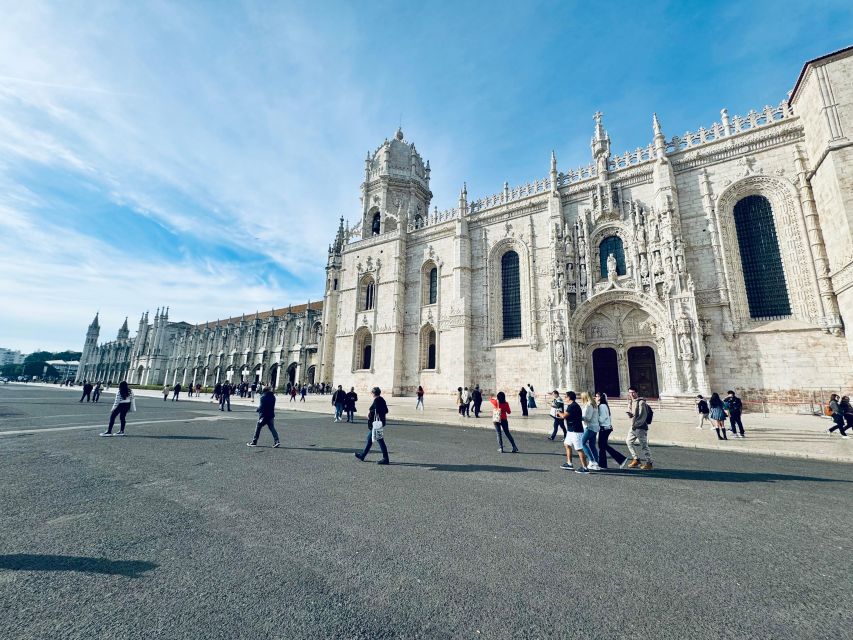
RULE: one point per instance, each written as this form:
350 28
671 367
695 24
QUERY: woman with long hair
605 428
718 415
590 430
500 412
123 403
420 402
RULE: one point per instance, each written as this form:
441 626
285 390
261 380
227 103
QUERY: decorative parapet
730 127
631 158
436 217
578 175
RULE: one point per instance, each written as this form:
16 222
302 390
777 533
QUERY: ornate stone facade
278 347
643 268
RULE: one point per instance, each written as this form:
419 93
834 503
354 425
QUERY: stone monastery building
720 258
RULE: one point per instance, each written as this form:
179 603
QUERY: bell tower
395 190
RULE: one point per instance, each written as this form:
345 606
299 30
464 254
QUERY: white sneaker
105 435
844 435
625 463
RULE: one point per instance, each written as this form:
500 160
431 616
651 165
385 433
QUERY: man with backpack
641 416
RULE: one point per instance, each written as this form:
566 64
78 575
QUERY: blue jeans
588 443
270 422
339 409
369 444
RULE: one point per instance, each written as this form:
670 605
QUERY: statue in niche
644 266
656 264
668 268
685 343
375 227
611 267
679 262
581 248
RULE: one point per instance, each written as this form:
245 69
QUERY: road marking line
101 425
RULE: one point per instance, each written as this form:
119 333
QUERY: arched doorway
643 372
291 374
605 371
309 378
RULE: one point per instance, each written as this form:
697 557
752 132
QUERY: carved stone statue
376 225
685 345
644 266
611 267
679 261
684 329
656 264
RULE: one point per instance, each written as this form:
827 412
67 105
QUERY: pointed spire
399 134
95 324
463 199
553 174
659 140
124 326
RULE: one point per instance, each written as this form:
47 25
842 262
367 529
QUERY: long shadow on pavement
718 476
453 468
43 562
179 437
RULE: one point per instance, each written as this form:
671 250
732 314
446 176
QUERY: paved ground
181 531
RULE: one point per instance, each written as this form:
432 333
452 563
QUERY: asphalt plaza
181 531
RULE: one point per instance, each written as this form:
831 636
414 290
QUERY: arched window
363 352
612 244
366 348
419 221
511 296
763 275
376 224
430 289
428 348
367 294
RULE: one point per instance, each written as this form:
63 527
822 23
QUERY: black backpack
650 414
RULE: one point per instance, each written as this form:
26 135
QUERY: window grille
433 285
369 292
511 296
763 274
612 244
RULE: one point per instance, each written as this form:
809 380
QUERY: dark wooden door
605 369
643 371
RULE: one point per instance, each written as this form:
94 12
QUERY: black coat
378 411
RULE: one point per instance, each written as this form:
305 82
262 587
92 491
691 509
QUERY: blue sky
199 154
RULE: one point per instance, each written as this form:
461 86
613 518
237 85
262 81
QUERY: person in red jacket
499 417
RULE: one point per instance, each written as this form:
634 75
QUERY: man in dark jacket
735 407
87 392
225 396
339 400
477 397
177 390
266 416
377 412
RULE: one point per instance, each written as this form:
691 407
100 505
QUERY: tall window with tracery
510 296
763 273
433 285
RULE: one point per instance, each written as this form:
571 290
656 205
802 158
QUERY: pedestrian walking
704 410
556 412
124 402
302 393
377 413
835 403
166 392
292 393
460 402
217 392
96 393
266 417
522 398
847 410
500 411
420 401
477 398
531 397
467 399
351 399
734 406
640 414
573 417
605 428
198 390
87 392
177 391
590 430
718 415
339 401
225 396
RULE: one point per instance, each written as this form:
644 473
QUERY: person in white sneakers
123 403
703 409
590 430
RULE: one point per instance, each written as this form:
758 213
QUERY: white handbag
377 431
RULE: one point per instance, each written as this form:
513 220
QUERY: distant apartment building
7 356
